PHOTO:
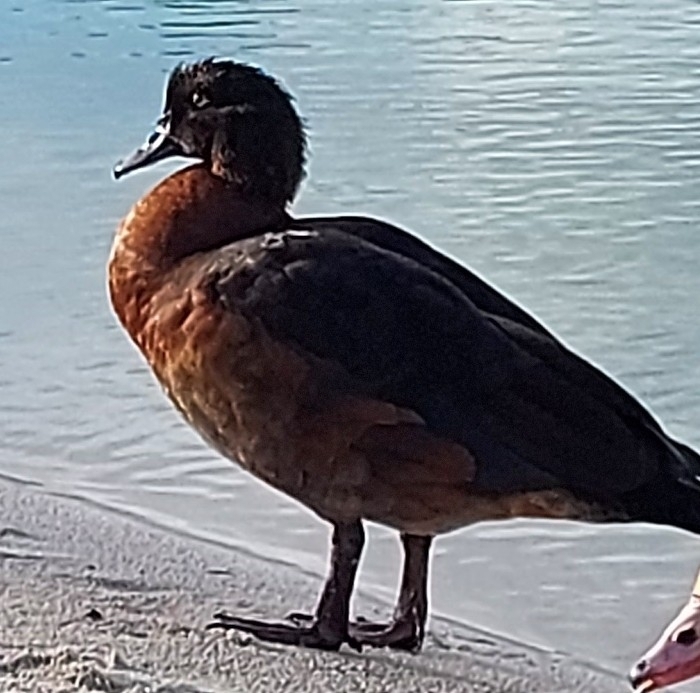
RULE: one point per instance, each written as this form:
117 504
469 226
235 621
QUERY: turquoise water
554 147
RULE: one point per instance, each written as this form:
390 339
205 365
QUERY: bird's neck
190 212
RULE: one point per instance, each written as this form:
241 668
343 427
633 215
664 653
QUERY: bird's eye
686 637
201 98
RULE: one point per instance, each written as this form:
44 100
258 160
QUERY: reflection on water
551 146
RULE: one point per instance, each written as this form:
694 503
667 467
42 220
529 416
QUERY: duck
354 367
675 656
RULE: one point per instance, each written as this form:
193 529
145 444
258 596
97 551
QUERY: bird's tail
673 497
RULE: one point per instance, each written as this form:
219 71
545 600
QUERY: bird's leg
406 629
327 629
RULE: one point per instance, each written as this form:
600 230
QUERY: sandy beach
93 601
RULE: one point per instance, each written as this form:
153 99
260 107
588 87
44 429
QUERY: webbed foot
404 634
306 632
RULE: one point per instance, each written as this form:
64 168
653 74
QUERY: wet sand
96 601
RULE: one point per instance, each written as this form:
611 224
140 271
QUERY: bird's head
675 657
237 120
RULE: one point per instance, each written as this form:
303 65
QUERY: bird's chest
248 396
233 386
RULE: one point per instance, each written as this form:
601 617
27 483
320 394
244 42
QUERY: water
551 146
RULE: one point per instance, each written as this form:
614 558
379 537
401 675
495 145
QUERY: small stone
94 615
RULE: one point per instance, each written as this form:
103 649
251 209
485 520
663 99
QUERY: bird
354 367
675 656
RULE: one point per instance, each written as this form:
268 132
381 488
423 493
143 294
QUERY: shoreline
97 599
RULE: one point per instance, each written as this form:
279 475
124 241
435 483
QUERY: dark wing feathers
530 334
683 461
553 404
401 242
531 414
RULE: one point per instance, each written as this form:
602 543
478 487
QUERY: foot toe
307 634
402 635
